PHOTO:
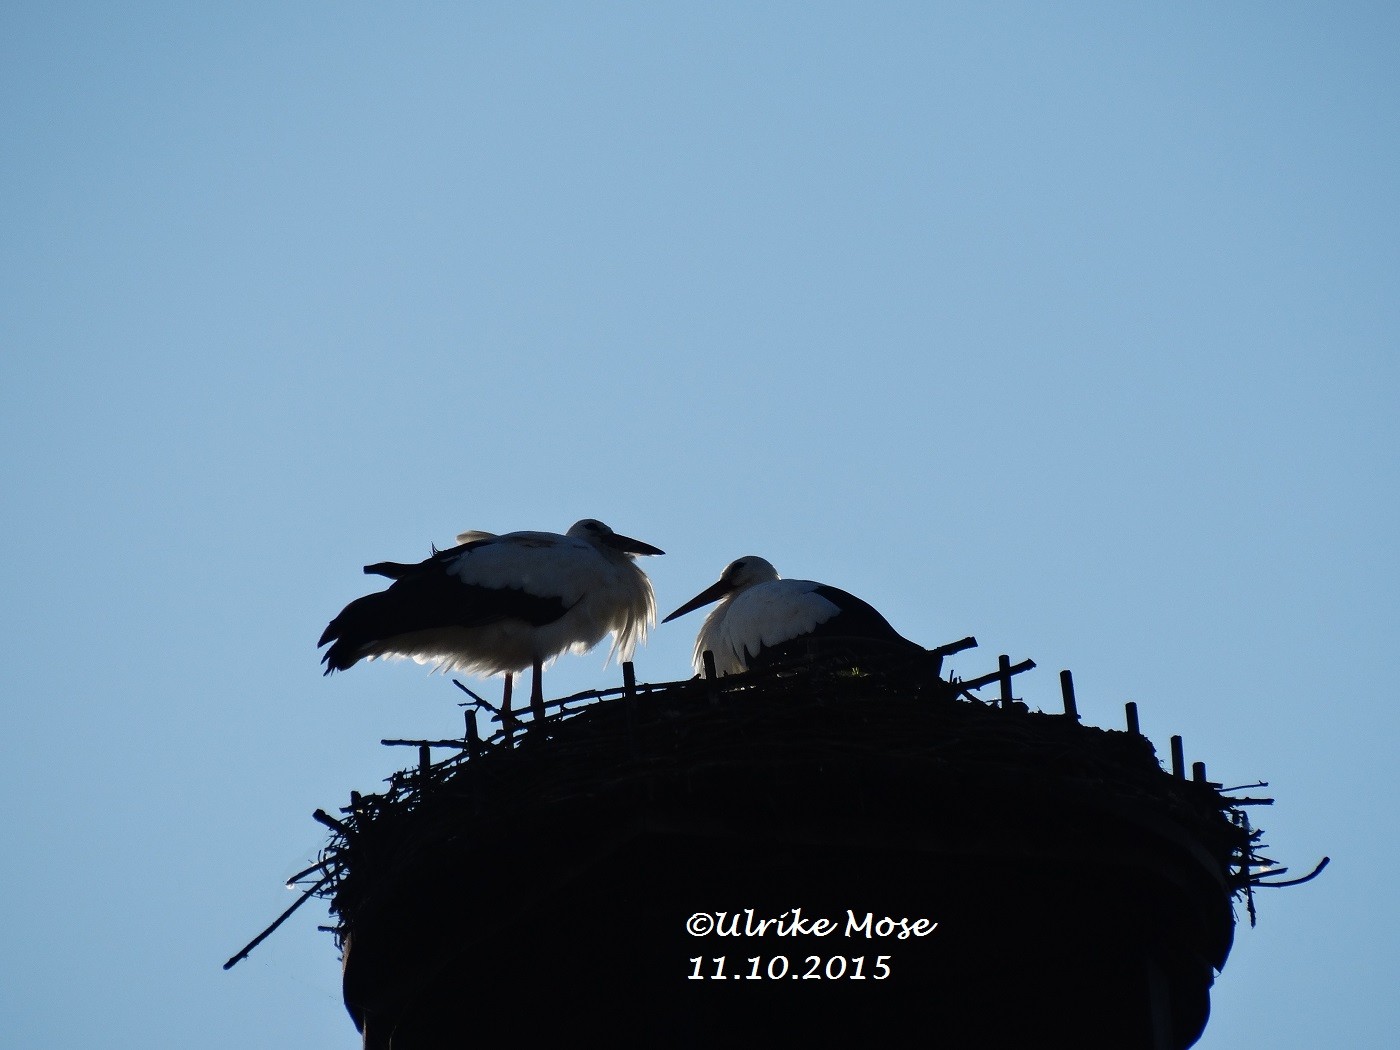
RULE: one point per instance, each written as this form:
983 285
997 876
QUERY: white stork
499 604
760 614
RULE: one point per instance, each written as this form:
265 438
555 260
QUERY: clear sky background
1075 330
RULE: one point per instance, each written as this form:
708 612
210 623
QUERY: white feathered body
761 617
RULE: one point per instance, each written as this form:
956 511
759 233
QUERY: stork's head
738 575
598 534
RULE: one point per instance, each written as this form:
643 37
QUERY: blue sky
1073 329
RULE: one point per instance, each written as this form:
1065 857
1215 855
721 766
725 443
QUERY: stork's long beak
631 546
712 593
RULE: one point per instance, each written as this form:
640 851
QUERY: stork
760 614
499 604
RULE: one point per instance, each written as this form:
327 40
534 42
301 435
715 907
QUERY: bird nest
565 848
809 750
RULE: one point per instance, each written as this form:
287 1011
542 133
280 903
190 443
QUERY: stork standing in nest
762 618
499 604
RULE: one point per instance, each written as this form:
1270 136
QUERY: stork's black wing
426 597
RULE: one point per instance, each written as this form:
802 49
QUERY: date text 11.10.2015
779 967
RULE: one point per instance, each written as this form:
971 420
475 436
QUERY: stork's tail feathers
359 626
341 655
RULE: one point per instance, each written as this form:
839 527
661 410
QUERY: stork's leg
507 719
537 694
